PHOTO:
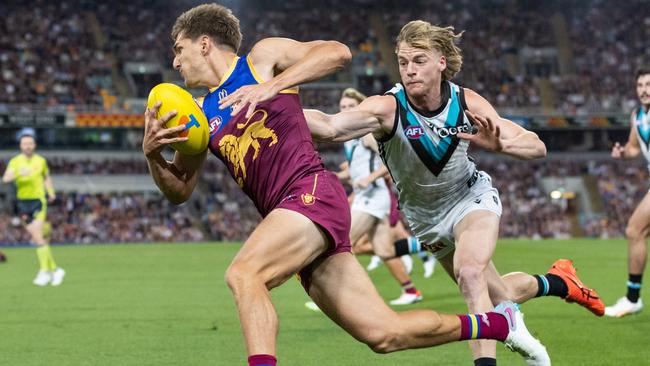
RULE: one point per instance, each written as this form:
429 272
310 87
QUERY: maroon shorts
393 217
321 198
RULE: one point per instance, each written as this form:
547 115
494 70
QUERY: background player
638 227
423 128
371 205
303 229
31 175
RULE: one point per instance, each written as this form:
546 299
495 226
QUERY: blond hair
424 35
213 20
353 93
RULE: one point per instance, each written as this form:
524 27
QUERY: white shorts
439 238
375 202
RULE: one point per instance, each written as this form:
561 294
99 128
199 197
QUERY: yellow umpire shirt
30 176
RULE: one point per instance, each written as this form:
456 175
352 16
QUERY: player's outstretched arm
285 63
631 149
176 179
499 134
374 115
9 175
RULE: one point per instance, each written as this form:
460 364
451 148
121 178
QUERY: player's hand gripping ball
188 113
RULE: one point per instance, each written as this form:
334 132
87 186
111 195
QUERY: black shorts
28 210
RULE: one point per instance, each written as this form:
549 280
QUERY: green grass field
167 304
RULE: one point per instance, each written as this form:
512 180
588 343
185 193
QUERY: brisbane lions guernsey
267 152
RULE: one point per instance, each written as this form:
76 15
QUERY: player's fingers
497 131
173 130
490 124
229 100
154 109
242 103
172 140
465 136
251 107
169 115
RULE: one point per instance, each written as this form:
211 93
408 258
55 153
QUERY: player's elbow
341 53
178 197
541 150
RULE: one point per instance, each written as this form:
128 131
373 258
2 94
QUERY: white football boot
407 299
519 339
43 278
429 267
375 262
624 307
57 276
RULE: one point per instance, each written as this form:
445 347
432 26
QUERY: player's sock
485 361
633 287
41 253
409 288
51 264
407 246
551 285
483 326
262 360
424 255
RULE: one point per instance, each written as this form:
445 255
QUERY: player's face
27 145
643 89
189 60
347 104
420 69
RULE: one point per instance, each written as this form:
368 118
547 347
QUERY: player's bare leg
382 241
362 246
340 287
476 236
272 254
638 228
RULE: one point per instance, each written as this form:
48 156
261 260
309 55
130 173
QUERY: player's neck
220 65
646 108
430 101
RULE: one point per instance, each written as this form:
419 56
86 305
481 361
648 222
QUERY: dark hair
640 72
213 20
26 134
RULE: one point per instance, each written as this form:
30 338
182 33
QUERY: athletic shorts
439 238
374 202
30 210
327 206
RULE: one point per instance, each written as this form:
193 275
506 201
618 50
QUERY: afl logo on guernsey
413 132
215 123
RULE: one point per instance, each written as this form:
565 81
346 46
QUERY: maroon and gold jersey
267 152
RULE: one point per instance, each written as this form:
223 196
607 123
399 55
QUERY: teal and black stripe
643 128
434 156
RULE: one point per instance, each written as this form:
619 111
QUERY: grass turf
167 304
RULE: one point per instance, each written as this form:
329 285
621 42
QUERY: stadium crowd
220 211
51 55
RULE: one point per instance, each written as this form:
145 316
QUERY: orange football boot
578 292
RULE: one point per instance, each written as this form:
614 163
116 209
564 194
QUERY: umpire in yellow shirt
31 176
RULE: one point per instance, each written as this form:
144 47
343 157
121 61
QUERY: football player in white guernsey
638 227
424 126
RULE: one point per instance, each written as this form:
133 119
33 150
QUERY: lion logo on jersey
235 149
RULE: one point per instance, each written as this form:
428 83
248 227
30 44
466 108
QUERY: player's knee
633 231
385 252
238 275
470 277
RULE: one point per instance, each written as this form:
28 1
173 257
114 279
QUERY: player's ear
442 63
205 44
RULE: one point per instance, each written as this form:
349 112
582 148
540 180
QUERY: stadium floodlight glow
556 195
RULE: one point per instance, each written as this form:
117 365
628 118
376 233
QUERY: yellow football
189 113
